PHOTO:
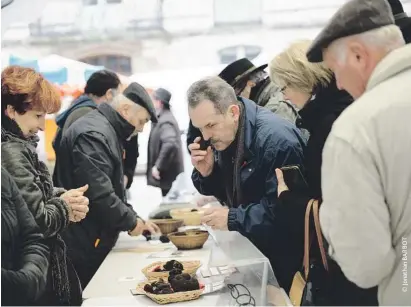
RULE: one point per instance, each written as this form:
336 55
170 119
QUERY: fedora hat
401 19
239 70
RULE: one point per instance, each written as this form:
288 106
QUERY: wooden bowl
190 239
168 225
190 218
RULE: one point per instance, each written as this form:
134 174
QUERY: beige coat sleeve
354 216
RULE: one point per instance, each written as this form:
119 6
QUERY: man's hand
216 218
138 230
281 186
155 173
152 228
141 226
202 160
78 204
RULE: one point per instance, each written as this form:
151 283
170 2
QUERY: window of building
233 53
118 63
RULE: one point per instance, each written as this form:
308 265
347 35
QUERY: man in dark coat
24 254
165 155
92 152
248 143
252 82
101 87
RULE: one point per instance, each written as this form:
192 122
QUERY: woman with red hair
26 98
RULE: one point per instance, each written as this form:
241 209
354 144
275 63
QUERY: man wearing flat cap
366 210
92 152
252 82
165 154
100 87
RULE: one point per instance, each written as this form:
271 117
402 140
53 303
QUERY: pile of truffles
176 283
170 266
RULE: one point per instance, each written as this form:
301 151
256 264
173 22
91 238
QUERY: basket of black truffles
163 270
178 287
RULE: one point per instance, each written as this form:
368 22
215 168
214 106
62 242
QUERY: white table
121 270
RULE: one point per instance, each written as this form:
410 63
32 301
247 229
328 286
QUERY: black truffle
164 239
181 284
173 264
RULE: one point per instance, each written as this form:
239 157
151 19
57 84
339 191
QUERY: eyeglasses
242 299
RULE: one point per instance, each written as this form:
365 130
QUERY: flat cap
354 17
162 95
137 94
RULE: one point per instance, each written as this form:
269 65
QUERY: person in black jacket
101 87
312 87
26 98
402 20
24 254
248 143
164 152
92 152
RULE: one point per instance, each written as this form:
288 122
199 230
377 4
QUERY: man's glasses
242 299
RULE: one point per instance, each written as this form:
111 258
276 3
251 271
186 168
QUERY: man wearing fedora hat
401 19
366 170
164 152
252 82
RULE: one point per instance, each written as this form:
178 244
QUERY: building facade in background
136 36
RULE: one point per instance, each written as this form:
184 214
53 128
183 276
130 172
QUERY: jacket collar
326 100
10 130
83 100
122 127
250 109
394 63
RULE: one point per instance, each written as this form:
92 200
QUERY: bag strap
306 261
319 234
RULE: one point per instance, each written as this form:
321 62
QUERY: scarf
233 186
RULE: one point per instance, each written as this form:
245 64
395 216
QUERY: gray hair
214 89
387 38
119 99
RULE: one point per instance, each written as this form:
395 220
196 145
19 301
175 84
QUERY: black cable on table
235 294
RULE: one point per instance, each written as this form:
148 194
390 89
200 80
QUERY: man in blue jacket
247 143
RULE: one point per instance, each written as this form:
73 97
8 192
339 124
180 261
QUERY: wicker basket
194 239
177 297
190 267
189 218
168 225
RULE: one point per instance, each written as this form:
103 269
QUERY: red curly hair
25 89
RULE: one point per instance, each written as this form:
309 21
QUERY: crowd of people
336 109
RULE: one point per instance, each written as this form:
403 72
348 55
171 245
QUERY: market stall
230 263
